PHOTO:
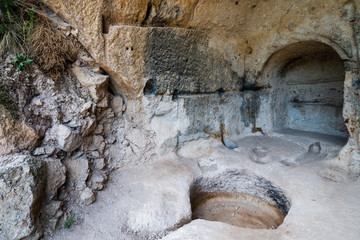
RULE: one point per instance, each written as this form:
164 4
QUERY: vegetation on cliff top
28 34
26 30
16 25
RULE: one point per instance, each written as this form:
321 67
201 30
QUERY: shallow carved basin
240 199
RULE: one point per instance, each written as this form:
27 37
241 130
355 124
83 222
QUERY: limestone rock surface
56 176
87 196
68 140
165 204
96 83
78 170
15 134
22 180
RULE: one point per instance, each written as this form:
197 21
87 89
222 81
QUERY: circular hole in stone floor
239 198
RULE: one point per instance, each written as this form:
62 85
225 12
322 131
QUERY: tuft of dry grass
51 49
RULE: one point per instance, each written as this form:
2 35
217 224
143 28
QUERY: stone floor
141 201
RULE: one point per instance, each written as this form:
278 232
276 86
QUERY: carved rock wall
185 49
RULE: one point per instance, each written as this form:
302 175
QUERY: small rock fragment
117 105
104 103
89 127
37 102
97 180
99 130
67 139
87 196
315 148
96 83
97 143
208 164
99 163
260 155
228 143
94 154
39 151
52 208
86 108
110 139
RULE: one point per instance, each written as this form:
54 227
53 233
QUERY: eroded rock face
56 176
78 172
149 12
22 180
67 124
183 49
96 83
15 134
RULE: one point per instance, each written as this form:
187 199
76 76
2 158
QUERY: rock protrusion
68 140
56 176
15 134
87 196
22 180
96 83
78 170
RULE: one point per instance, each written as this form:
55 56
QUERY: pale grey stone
229 144
56 176
78 170
22 181
87 196
96 83
68 140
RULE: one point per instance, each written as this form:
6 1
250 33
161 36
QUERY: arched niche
306 81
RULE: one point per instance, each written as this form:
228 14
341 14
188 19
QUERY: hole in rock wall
307 82
239 198
150 87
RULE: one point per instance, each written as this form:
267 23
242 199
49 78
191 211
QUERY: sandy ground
320 208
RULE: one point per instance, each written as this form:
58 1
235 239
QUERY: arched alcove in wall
306 81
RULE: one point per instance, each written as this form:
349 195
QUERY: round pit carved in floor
240 199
